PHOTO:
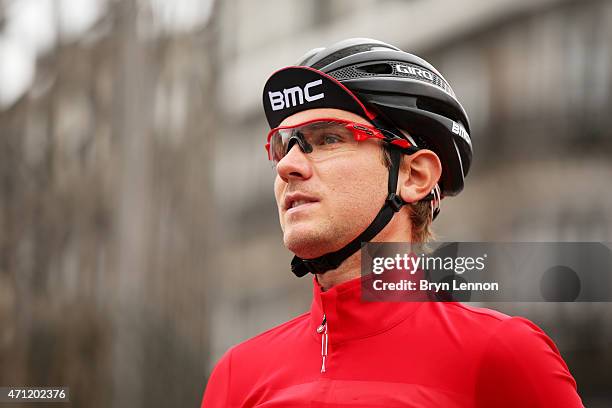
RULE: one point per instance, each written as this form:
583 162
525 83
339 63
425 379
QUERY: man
366 140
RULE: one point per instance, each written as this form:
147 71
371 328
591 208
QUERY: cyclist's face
326 201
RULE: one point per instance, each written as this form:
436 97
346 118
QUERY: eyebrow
322 123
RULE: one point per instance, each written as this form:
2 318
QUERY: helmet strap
393 204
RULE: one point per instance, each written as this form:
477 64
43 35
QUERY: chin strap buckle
395 202
301 267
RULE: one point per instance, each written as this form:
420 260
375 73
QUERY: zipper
322 330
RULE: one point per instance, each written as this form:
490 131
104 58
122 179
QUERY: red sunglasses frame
360 132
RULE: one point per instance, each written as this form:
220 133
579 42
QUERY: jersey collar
349 317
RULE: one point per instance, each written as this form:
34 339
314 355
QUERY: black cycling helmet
407 91
393 90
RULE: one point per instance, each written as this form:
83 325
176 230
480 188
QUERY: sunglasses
320 138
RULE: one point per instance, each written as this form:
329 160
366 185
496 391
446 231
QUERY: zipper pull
322 330
321 327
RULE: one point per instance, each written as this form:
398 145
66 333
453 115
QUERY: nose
295 165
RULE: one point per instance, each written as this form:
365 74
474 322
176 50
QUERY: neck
350 269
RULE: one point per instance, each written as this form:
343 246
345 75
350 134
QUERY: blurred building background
138 232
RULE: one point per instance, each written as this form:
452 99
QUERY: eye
328 138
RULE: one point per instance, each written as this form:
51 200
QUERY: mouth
293 202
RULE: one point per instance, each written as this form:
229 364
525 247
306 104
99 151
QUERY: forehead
320 113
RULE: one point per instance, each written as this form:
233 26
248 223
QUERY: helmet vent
384 69
393 69
355 49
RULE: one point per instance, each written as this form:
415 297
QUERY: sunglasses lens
318 139
277 149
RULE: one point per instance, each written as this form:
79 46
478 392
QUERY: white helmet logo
405 69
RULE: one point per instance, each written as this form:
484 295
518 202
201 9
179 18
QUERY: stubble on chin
304 238
306 244
312 242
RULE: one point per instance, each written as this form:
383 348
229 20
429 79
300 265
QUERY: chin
306 244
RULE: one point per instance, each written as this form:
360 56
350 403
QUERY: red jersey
348 353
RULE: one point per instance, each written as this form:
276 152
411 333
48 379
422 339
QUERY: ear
418 175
